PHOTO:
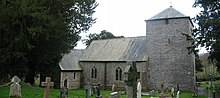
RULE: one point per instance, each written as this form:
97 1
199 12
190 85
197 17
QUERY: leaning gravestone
114 95
15 88
130 77
114 88
47 85
139 90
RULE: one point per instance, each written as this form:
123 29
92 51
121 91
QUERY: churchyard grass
38 92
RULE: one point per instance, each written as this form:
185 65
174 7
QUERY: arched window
118 74
65 83
94 72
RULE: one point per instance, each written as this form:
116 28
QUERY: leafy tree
207 33
34 34
198 63
103 35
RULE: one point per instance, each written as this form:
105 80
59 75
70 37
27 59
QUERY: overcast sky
126 17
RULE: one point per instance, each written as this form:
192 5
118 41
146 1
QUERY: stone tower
169 60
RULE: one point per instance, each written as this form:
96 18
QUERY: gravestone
172 92
162 89
177 87
47 85
98 87
139 90
114 88
167 91
114 95
15 88
130 77
88 90
178 94
64 90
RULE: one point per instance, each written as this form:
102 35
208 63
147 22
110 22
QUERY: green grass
37 92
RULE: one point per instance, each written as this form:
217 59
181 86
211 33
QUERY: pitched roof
118 49
168 13
70 60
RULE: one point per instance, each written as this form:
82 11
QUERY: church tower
169 60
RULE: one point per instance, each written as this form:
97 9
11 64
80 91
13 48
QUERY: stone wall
168 57
72 83
110 74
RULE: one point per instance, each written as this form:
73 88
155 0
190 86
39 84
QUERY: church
161 55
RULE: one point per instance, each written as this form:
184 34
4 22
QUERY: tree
103 35
35 34
207 33
198 63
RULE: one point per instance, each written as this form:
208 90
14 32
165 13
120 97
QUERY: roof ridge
170 12
121 38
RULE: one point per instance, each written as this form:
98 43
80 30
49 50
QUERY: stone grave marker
130 77
15 88
167 91
177 87
162 89
172 92
47 85
114 95
98 87
88 90
64 90
114 88
139 90
178 94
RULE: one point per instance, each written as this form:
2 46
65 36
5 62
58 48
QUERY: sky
126 17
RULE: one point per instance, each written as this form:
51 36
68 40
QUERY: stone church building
161 55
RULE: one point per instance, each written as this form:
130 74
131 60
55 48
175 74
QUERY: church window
166 21
94 72
118 74
169 40
74 75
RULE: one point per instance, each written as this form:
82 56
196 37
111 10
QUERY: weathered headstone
114 95
178 94
64 90
167 91
114 88
130 77
15 88
47 85
88 90
98 87
177 87
162 89
139 90
172 92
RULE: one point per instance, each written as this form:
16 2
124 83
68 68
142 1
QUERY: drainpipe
105 75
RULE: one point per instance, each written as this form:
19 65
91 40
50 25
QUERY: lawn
37 92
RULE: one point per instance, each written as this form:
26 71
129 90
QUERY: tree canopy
103 35
207 34
34 34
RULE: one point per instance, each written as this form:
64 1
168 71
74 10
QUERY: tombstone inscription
130 77
47 85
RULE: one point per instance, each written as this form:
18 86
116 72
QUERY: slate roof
168 13
118 49
70 60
